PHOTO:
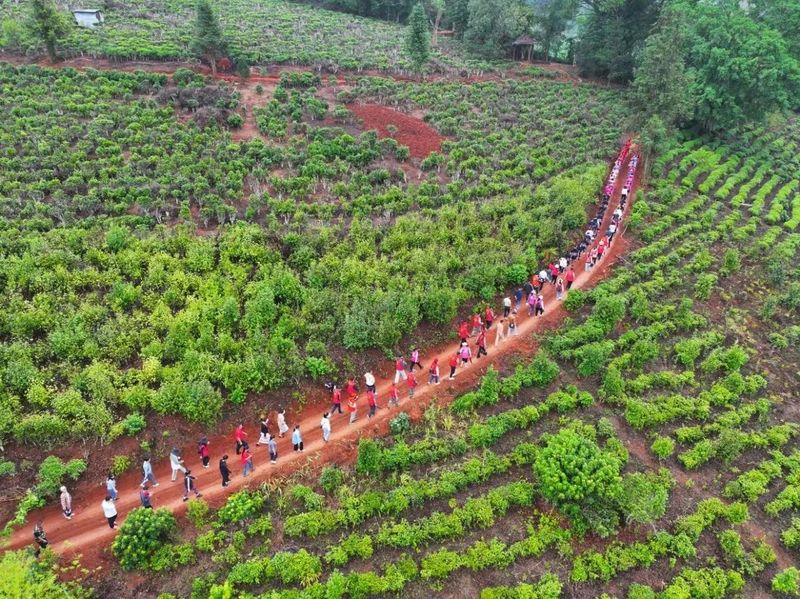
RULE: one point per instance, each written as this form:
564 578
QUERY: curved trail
88 533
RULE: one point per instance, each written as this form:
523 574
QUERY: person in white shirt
66 503
369 381
325 423
283 428
506 306
109 511
176 463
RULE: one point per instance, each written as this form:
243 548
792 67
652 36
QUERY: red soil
419 136
87 534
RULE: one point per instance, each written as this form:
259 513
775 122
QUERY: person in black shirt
225 471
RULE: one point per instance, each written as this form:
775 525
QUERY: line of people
561 274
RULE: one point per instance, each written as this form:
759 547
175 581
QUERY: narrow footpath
88 534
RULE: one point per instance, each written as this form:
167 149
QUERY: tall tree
418 44
662 82
783 16
742 68
551 18
493 25
457 12
611 36
439 7
48 24
208 41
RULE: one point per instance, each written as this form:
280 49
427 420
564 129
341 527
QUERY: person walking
369 381
612 229
559 288
399 369
540 305
518 297
489 317
325 425
433 372
453 364
481 344
109 511
414 360
247 461
351 388
532 299
144 497
587 265
394 398
297 438
463 331
477 323
202 450
66 503
176 463
562 264
273 451
466 354
263 431
412 384
40 538
372 402
512 324
111 486
536 283
336 400
352 408
239 435
147 468
570 277
224 470
189 485
506 306
601 248
283 428
501 332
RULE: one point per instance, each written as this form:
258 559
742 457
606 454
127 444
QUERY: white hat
63 489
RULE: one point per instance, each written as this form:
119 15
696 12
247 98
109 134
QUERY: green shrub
369 457
53 471
133 424
121 463
787 581
400 424
140 536
331 478
197 511
663 447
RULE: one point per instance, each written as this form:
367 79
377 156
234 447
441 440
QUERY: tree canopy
418 43
208 41
48 24
493 25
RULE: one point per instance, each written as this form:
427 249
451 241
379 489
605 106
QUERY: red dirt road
89 535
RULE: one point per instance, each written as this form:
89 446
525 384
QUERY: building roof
524 40
91 11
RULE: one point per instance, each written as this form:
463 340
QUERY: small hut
523 47
88 17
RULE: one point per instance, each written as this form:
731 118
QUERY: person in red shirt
394 399
477 325
372 403
202 449
453 365
553 272
351 388
536 282
336 400
570 277
247 461
481 344
463 330
399 369
489 317
412 384
239 436
601 247
352 406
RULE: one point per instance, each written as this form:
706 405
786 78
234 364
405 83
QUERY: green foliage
208 42
663 447
493 25
578 478
645 496
400 424
330 479
48 24
26 576
240 507
787 581
53 472
142 533
121 463
418 38
197 511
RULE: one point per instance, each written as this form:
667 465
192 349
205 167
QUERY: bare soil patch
419 136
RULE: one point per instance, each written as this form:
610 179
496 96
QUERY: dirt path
89 535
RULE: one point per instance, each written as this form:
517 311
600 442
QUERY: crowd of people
561 274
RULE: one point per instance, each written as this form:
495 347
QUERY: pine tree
48 24
208 41
418 38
